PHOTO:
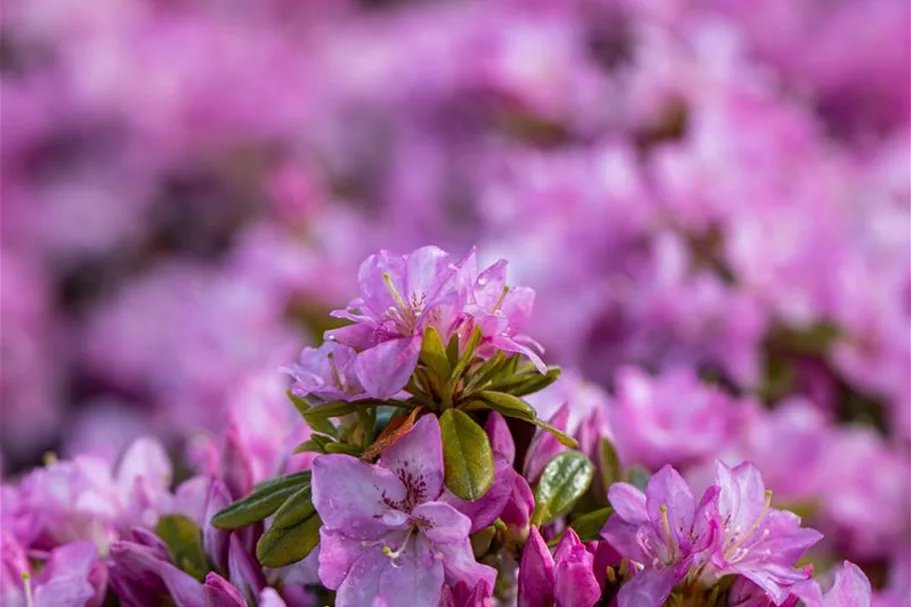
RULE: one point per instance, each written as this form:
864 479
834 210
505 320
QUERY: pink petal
417 459
353 496
385 369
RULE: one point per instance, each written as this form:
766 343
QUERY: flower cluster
416 472
710 199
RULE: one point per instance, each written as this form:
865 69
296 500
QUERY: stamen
336 376
496 306
733 551
394 554
395 293
27 581
611 575
49 458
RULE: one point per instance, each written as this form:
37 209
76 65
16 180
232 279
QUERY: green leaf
588 526
638 477
335 408
467 457
508 405
433 354
316 443
565 479
537 382
489 369
295 509
293 479
320 424
561 436
344 448
452 351
184 540
481 540
299 403
265 499
467 355
609 463
279 547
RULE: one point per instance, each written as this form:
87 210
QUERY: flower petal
501 441
536 573
417 459
362 581
415 580
650 587
628 503
219 593
441 523
385 369
353 496
336 555
459 564
666 488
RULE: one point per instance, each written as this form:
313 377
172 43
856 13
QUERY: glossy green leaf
561 436
433 354
293 479
279 547
344 448
508 405
184 541
295 509
335 408
261 503
467 456
609 463
316 444
588 526
537 382
565 479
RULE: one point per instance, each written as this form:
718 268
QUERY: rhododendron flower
72 576
500 311
85 499
565 579
669 419
401 295
757 541
663 532
385 535
326 372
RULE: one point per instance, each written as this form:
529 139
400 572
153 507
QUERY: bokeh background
711 198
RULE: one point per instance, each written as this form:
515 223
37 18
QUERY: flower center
405 315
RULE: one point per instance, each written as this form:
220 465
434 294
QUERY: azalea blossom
663 532
757 541
386 535
400 296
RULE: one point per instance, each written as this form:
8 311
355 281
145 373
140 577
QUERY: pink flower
326 373
72 576
663 532
401 295
385 535
672 418
84 499
756 541
565 579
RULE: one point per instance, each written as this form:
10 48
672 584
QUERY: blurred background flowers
711 199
